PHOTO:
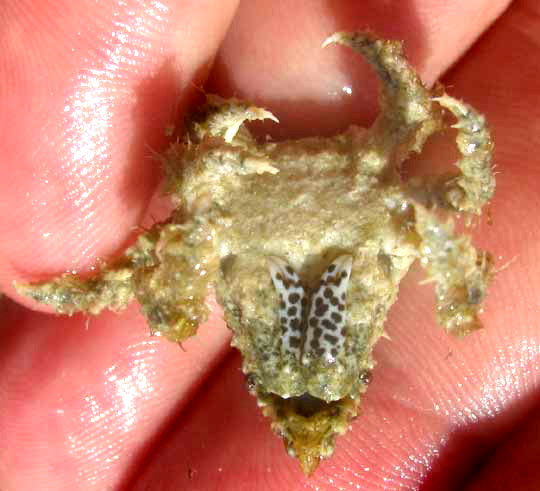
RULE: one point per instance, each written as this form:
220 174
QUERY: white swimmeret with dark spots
320 331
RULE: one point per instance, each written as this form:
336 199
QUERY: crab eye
251 382
366 377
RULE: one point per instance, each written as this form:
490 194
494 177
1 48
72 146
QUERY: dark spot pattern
327 316
295 324
314 325
294 297
331 339
329 325
294 342
320 311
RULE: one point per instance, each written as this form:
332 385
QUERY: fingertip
91 89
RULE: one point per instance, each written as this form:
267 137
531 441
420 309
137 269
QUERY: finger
514 465
509 89
222 441
83 399
87 90
279 63
58 463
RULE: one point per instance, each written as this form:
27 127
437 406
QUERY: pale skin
102 405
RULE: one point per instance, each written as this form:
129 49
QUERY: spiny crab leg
407 115
168 270
408 118
68 294
460 272
474 186
224 117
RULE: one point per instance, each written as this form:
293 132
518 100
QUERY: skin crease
96 404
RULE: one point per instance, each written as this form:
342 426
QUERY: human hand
97 403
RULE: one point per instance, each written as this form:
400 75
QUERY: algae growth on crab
305 243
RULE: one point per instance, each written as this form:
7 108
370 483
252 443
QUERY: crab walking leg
470 190
215 135
460 272
112 288
172 290
407 117
224 117
168 271
68 294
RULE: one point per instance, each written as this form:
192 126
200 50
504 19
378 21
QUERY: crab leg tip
259 113
337 37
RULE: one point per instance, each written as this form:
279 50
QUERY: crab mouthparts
307 405
309 425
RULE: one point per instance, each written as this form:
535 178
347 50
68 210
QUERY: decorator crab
304 243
